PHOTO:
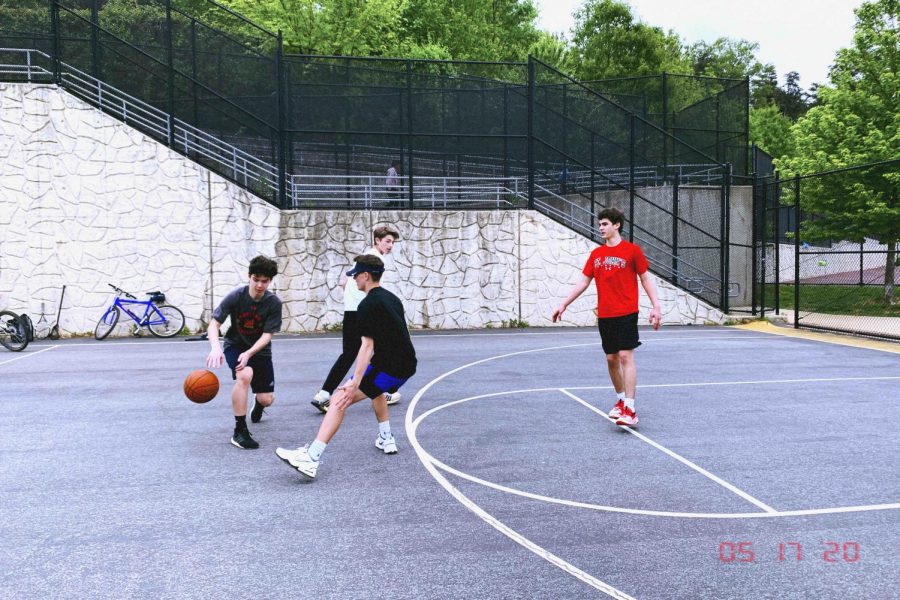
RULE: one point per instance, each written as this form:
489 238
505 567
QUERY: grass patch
856 300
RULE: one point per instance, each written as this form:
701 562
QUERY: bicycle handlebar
121 291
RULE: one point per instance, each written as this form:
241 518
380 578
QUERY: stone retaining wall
86 200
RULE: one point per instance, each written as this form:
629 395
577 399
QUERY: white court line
805 512
678 457
21 356
518 538
152 343
748 382
616 509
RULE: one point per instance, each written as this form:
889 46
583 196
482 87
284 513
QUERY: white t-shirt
352 295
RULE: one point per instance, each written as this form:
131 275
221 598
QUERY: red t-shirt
615 270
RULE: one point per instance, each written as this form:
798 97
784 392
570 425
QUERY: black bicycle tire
175 331
102 336
54 333
3 341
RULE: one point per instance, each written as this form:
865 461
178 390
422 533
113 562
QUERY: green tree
858 122
609 42
771 130
554 51
500 30
332 27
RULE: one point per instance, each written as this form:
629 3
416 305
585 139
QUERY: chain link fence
821 266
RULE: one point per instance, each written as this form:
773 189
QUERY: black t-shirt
380 317
249 318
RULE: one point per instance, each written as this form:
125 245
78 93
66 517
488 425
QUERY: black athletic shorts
263 381
375 383
619 333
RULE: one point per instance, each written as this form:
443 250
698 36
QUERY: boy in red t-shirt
615 267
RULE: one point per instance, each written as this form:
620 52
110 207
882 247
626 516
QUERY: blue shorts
375 383
263 381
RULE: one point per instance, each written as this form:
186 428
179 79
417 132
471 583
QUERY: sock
629 402
316 449
620 395
240 422
384 430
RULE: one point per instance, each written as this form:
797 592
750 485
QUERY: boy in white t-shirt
384 239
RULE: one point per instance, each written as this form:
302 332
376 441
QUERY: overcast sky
793 35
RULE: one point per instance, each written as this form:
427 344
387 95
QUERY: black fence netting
707 113
358 115
349 132
589 153
828 249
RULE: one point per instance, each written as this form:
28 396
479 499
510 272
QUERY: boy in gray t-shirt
255 315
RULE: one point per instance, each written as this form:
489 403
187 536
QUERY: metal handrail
243 167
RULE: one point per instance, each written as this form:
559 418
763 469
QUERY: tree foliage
608 41
771 130
857 122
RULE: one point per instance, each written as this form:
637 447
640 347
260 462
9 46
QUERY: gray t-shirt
249 318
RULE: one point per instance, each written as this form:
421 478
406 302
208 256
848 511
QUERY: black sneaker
321 405
242 439
257 412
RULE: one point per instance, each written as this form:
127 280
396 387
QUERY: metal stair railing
243 168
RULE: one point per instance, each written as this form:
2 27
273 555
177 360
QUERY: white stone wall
819 261
85 200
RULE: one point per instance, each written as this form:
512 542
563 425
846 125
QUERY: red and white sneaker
616 411
628 418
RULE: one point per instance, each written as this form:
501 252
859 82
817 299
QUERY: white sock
629 402
316 449
384 429
620 395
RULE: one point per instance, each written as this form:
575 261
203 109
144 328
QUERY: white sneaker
616 411
322 396
628 418
300 460
392 398
387 445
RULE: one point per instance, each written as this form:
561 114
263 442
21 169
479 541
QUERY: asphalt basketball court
764 466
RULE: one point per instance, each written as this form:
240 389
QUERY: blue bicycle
163 320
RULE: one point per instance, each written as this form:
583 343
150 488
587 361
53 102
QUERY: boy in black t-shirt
385 361
255 315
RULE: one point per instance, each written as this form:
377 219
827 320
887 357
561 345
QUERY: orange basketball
201 386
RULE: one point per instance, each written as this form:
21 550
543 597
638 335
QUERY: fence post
776 239
754 253
762 245
723 239
95 41
54 27
170 64
665 124
631 179
409 130
675 184
196 110
279 113
796 251
861 280
505 129
530 143
593 178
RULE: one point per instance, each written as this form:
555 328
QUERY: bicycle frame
149 308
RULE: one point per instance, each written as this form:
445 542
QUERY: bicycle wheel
12 332
170 325
107 323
